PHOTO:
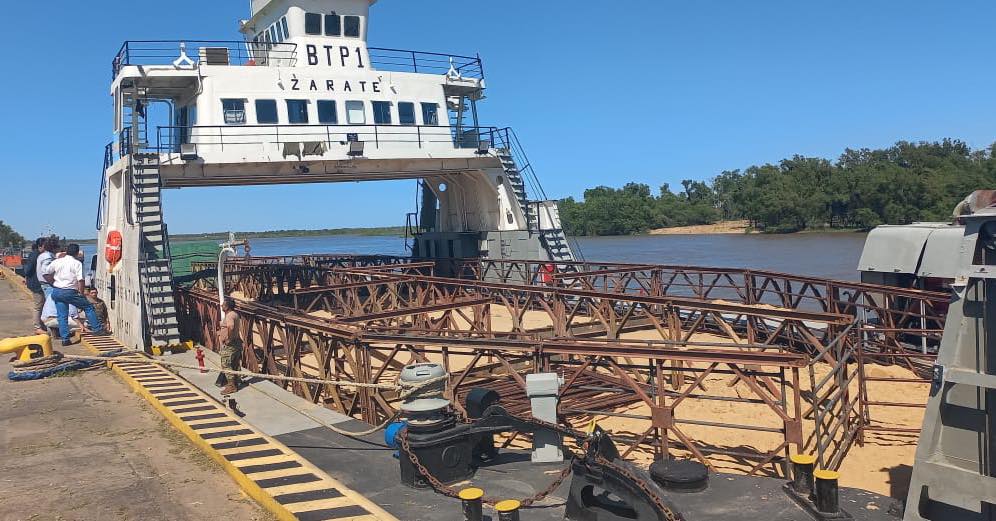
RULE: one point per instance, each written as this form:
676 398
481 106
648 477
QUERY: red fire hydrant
200 360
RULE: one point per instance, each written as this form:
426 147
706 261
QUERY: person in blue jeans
65 274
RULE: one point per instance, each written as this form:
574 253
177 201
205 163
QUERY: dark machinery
437 450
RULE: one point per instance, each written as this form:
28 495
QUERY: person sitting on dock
231 345
50 317
65 274
100 307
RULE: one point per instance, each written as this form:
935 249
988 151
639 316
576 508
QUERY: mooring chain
449 491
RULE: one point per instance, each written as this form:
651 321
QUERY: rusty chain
449 491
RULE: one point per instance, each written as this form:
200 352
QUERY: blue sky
654 91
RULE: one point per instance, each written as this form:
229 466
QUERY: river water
827 255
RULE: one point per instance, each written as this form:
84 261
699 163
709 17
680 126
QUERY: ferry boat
302 98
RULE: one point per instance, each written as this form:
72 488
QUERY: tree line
10 238
864 188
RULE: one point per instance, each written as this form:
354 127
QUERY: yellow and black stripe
278 478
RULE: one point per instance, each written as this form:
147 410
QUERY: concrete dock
84 447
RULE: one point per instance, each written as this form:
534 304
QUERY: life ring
112 252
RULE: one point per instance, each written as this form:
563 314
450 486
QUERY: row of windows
276 33
331 25
315 25
298 112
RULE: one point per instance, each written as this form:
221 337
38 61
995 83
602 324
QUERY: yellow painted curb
15 279
250 487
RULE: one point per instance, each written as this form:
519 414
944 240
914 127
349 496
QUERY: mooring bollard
508 510
827 494
472 507
802 474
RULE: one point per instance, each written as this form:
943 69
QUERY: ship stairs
554 239
155 267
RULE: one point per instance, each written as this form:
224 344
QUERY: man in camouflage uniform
231 345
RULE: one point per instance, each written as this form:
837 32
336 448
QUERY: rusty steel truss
671 350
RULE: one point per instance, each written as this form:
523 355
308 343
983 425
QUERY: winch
443 446
437 449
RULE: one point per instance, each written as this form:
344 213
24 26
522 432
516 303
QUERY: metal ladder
155 265
515 179
555 241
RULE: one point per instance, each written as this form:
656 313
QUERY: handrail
252 134
241 52
166 52
108 161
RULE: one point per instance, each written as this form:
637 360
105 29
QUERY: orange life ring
113 249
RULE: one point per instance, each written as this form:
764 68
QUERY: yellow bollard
27 348
827 494
802 474
508 510
473 508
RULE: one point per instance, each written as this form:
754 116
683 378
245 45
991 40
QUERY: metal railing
222 52
170 138
216 52
399 60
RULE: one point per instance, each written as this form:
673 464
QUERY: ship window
327 113
297 111
333 25
382 112
273 34
283 24
355 113
279 31
266 112
430 114
234 110
406 113
312 23
353 26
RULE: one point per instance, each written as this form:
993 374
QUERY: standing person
34 285
46 254
100 307
231 344
65 274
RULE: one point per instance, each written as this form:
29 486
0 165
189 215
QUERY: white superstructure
303 99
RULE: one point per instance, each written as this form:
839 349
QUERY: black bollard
508 510
827 497
473 508
802 474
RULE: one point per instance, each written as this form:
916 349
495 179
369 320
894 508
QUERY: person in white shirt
65 274
50 316
45 257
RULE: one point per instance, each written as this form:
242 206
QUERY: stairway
557 245
155 265
514 176
555 241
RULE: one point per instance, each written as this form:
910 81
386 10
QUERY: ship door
181 131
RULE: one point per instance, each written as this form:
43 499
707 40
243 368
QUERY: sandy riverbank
704 229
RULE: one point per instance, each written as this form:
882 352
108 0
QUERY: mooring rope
404 390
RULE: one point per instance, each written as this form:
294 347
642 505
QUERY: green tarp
186 253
